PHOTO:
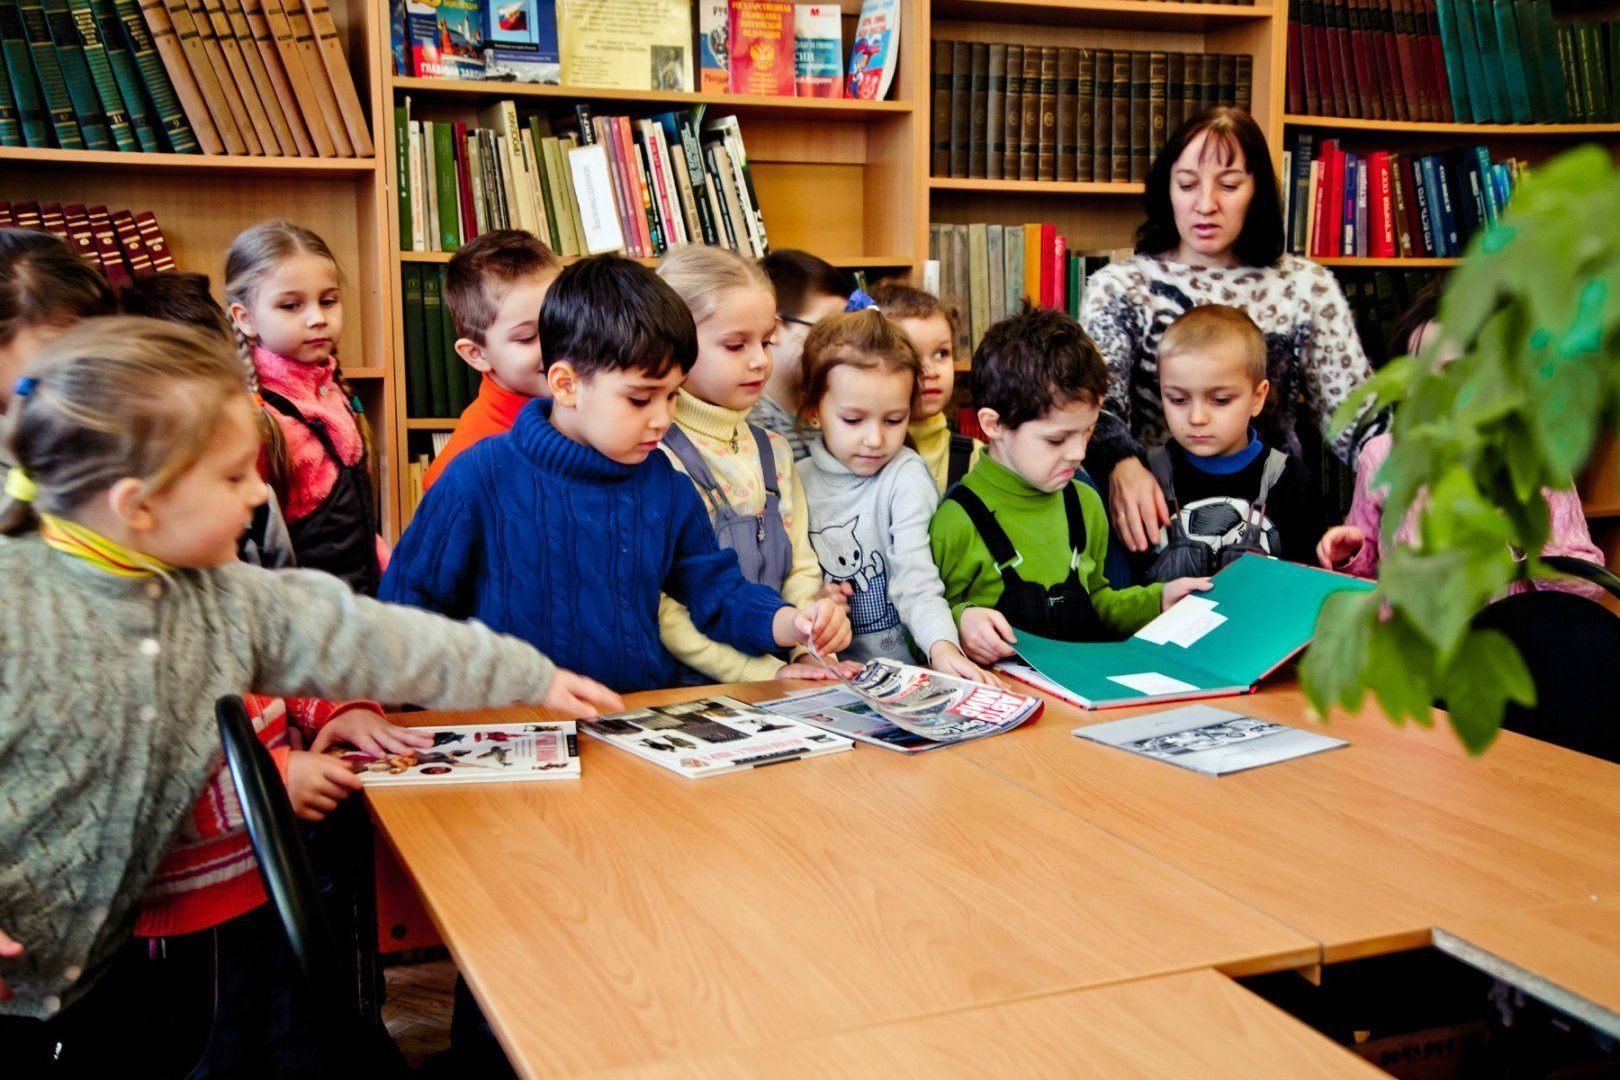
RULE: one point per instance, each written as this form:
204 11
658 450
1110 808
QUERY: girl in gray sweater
127 615
870 495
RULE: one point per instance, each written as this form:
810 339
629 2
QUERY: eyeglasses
795 320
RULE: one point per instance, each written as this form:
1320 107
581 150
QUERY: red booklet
761 47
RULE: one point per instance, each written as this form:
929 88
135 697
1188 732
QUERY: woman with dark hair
1213 235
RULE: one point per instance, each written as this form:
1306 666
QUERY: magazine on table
712 735
908 708
1209 740
475 753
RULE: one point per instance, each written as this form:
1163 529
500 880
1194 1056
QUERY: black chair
291 883
1572 647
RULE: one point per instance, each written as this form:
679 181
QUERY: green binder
20 77
419 402
1513 72
1451 48
433 337
101 75
58 107
142 120
170 116
448 190
1259 613
76 74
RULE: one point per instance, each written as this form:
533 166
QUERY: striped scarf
97 550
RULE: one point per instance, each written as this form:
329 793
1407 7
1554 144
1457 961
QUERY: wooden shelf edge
365 373
189 164
847 262
1122 13
1034 187
1601 511
1390 264
1403 127
430 424
822 107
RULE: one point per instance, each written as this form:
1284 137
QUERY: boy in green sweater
1020 543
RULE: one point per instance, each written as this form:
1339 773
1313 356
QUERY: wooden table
1568 955
637 916
1365 848
1195 1023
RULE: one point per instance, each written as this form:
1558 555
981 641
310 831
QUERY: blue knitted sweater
547 539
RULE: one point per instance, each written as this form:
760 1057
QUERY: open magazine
476 753
711 735
908 708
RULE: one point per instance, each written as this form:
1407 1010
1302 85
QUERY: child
808 289
567 529
45 287
1020 542
186 299
495 286
871 496
136 450
1228 493
282 284
932 326
1356 546
744 474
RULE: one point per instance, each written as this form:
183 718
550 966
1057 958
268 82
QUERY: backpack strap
1077 523
1276 462
989 529
961 456
315 427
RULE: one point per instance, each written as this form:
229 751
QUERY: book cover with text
761 47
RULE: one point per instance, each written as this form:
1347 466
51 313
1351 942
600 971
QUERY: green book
1259 613
433 339
455 368
449 191
76 74
419 402
10 123
1490 59
20 77
402 170
170 117
1612 40
1574 100
101 74
1594 79
142 120
1513 73
1535 74
1073 290
1451 49
1493 208
58 106
555 222
1547 51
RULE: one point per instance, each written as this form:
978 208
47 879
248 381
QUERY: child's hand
366 730
316 783
1339 545
811 670
576 696
838 592
10 949
821 624
987 636
948 658
1182 586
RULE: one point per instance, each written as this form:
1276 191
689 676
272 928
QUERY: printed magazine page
926 703
1208 740
477 753
712 735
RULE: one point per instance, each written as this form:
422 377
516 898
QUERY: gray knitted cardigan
107 733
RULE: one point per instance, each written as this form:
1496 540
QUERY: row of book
438 383
125 244
770 47
594 184
989 270
417 465
1377 299
1463 61
1005 111
252 77
1386 205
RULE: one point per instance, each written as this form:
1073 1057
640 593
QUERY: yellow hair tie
21 486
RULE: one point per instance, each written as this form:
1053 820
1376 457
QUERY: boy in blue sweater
564 531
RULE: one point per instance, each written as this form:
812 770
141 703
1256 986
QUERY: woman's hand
1136 504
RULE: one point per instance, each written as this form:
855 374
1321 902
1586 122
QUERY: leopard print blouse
1314 358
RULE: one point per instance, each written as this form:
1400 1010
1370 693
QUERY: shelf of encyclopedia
741 104
845 262
1361 263
1034 187
1411 128
1102 14
186 164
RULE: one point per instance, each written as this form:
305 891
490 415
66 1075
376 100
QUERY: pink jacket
1569 535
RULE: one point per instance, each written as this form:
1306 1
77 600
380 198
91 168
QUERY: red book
1439 87
1390 71
1341 73
1362 48
112 259
27 214
1327 66
604 135
1414 207
129 242
51 220
80 235
1380 207
1048 255
1335 174
1296 61
760 47
1319 198
1406 63
1060 272
635 179
6 220
469 211
162 260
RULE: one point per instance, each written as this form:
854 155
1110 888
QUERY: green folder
1259 613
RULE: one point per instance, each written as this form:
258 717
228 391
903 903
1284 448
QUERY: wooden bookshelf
1361 263
743 105
1113 14
227 165
1408 129
1035 187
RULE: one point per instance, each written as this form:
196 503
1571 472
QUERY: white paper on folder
1184 624
1151 682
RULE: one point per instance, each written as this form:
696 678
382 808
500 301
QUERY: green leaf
1484 675
1333 669
1400 670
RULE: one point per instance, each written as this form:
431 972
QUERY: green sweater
1036 525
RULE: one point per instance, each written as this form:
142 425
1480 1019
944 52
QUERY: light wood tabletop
1190 1024
1568 955
635 916
1364 848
